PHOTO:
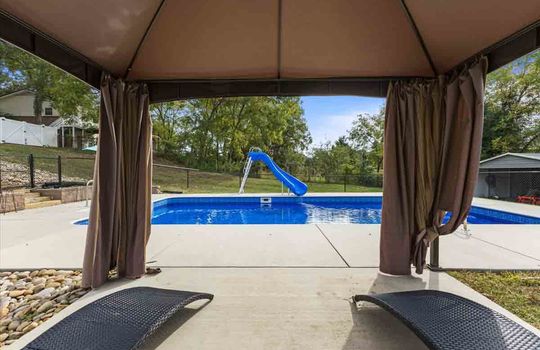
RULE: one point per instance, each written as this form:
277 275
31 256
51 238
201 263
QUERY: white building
19 106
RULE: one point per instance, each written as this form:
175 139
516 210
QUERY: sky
329 117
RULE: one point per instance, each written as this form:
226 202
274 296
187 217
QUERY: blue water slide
296 186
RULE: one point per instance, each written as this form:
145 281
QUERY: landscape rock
31 326
16 293
13 325
45 293
29 298
16 175
15 335
39 280
39 287
24 310
22 326
45 307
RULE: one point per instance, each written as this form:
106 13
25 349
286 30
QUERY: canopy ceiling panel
458 29
211 39
188 48
349 38
106 32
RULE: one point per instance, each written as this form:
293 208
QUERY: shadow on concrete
114 284
171 326
388 283
375 328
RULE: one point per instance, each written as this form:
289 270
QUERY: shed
509 175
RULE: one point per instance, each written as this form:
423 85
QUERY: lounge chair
446 321
121 320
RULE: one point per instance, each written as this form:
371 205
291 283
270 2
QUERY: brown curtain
433 137
119 225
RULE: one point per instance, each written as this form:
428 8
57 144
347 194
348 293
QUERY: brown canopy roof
269 46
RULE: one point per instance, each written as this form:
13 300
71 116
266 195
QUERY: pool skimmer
266 200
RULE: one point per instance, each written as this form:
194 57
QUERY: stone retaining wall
11 201
67 194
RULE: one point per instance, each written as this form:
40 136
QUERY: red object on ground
529 199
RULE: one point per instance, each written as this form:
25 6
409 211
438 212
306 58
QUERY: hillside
78 166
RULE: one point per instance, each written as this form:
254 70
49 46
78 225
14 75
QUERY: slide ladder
247 169
292 183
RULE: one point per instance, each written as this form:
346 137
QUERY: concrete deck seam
335 249
510 250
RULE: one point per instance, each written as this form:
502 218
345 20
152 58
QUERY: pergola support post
434 256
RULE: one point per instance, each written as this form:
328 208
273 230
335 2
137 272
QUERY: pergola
428 57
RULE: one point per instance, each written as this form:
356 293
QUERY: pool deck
32 239
276 286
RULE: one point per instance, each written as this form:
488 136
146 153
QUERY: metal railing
187 170
55 170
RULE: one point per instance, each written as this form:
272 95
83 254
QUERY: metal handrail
175 167
86 194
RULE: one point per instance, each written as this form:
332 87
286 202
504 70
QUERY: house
509 175
19 106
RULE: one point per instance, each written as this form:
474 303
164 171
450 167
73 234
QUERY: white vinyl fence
14 131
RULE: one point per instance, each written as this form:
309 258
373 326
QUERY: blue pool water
294 210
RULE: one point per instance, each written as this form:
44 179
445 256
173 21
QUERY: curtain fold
433 136
120 213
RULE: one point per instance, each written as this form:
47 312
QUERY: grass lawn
170 180
518 292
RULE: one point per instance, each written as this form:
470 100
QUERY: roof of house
15 93
512 161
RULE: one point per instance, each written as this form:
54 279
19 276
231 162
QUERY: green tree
168 132
216 133
331 160
68 95
512 108
366 136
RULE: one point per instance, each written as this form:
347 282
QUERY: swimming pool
294 210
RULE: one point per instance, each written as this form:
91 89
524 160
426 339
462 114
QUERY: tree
366 136
168 128
216 133
512 108
70 96
73 98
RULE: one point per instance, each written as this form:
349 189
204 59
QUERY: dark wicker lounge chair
445 321
121 320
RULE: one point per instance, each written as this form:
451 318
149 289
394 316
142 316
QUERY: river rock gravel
29 298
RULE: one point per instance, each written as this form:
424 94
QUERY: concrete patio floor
32 239
275 286
283 308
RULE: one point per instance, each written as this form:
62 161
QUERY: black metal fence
60 170
187 172
31 170
334 182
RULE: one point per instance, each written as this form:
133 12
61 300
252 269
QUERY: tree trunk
38 109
